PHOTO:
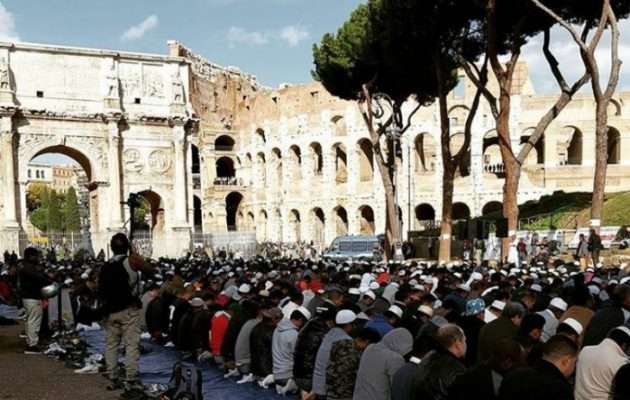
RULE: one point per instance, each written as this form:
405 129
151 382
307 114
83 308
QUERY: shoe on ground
267 381
33 350
289 388
89 369
231 373
246 379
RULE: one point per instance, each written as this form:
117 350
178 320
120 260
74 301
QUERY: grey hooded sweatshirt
282 349
242 354
379 363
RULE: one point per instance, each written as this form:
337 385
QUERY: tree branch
490 98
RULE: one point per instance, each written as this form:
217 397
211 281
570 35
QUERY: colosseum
215 151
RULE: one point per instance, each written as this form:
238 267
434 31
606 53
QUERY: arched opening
457 115
366 220
251 221
339 125
460 211
261 228
149 217
225 170
574 152
426 153
276 159
195 167
295 157
317 159
294 223
58 200
341 163
492 208
341 221
319 226
539 147
366 160
614 146
197 214
224 143
277 215
262 168
425 216
456 143
232 207
260 134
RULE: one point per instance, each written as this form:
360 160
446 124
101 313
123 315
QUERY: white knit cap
345 317
558 303
574 324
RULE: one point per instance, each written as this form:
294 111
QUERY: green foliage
71 216
34 195
140 216
54 212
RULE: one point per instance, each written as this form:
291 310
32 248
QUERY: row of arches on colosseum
425 214
570 151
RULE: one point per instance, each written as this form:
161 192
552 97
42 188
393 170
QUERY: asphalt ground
37 377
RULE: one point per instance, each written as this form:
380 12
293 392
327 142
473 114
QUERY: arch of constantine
215 151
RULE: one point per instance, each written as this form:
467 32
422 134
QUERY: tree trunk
446 226
601 163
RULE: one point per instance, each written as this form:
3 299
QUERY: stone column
180 143
8 156
115 191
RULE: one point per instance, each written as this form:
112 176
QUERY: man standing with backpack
119 293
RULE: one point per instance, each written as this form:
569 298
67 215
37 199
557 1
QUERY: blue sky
271 39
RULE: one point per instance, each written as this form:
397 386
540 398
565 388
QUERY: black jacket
32 280
260 346
603 321
114 291
308 342
544 381
231 334
472 327
435 375
476 383
182 307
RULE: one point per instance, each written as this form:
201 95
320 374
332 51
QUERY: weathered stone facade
213 150
124 117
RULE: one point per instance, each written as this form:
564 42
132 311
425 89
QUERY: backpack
185 383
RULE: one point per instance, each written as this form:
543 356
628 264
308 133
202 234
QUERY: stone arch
366 220
492 207
195 166
77 154
277 225
366 160
318 223
426 152
233 202
458 114
316 158
276 159
341 162
574 149
156 215
614 108
260 134
197 214
539 148
224 143
295 225
341 221
295 159
614 146
225 168
425 216
251 221
261 163
339 125
262 226
460 211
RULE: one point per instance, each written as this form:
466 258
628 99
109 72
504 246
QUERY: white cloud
294 34
138 31
7 26
238 35
566 51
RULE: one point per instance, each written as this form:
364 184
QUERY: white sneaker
169 344
88 369
145 336
290 387
231 373
267 381
246 379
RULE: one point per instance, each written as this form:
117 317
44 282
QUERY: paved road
36 377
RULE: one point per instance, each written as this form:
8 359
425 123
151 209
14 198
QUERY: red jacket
218 328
